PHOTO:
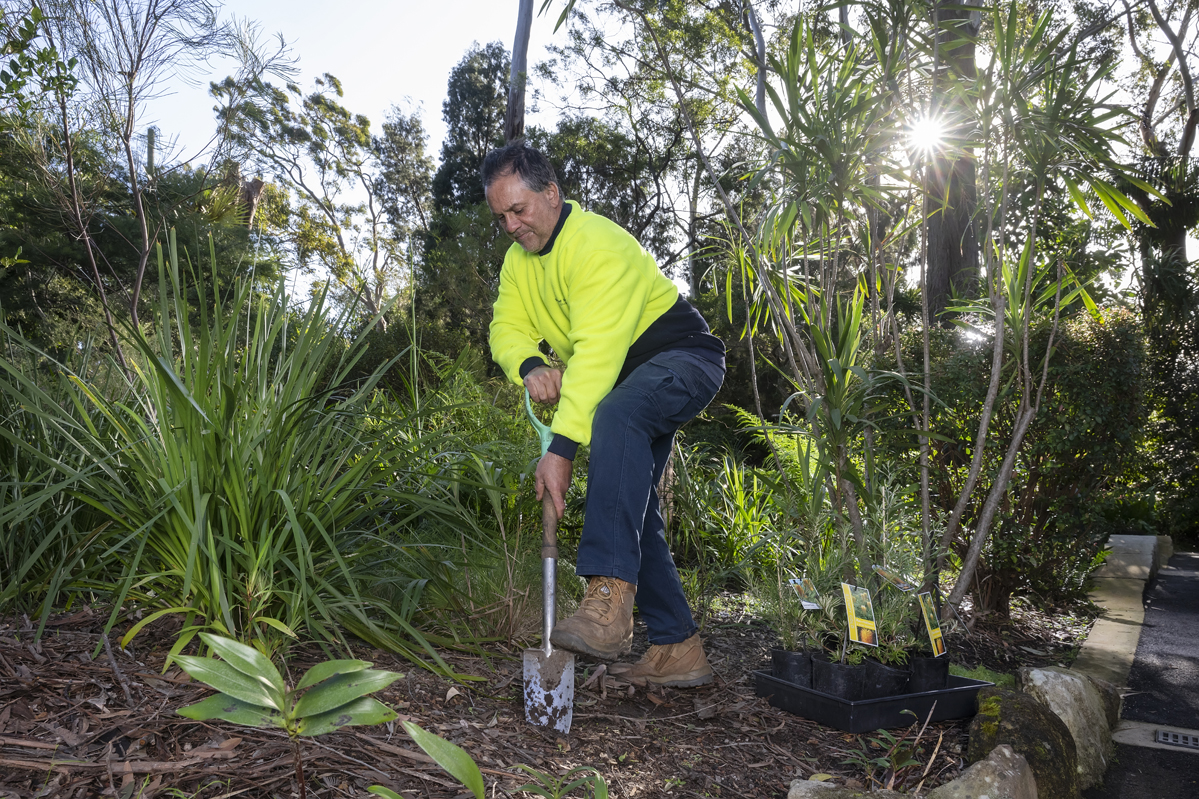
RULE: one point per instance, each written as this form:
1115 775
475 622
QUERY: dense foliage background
967 357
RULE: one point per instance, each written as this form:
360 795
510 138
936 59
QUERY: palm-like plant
1041 123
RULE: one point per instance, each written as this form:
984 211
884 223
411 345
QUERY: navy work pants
631 438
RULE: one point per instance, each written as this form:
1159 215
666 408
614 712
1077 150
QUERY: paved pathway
1165 683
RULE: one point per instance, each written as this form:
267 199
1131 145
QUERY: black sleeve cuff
529 365
563 446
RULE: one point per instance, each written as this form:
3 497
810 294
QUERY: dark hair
518 158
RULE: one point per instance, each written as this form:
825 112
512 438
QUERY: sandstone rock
1112 700
810 789
1003 774
1078 701
1032 730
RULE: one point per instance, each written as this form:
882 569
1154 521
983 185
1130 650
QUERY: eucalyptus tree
600 165
476 95
952 195
324 156
609 67
514 114
405 173
458 272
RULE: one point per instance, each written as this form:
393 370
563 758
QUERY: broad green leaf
135 629
228 680
1145 187
386 793
234 711
246 659
1124 201
453 759
278 625
1087 301
336 691
1076 195
330 668
1112 205
361 712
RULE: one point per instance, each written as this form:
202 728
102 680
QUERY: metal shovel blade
549 673
550 688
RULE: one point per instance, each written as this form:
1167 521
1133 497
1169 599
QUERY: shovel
549 673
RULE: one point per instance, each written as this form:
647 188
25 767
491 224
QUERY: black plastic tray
958 701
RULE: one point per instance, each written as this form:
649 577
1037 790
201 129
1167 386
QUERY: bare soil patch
71 726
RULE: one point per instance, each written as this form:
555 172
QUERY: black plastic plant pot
928 674
840 680
882 680
792 667
956 701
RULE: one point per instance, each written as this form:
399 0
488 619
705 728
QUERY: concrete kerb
1119 589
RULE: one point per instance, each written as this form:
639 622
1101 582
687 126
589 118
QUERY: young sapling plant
252 693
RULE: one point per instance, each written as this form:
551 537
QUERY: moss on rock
1032 730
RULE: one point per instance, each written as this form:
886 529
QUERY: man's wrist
529 365
564 447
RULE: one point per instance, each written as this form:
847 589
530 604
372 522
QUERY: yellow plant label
859 612
932 624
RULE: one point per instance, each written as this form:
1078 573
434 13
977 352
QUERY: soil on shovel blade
74 726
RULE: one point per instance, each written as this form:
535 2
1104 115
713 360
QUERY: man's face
527 216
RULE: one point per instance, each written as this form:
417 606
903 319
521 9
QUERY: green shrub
234 486
1070 480
49 536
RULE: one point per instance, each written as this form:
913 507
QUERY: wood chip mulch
1032 636
76 726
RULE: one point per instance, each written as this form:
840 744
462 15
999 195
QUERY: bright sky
385 52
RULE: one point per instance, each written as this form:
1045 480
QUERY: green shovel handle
543 431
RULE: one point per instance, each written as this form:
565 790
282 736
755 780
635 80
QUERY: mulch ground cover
74 726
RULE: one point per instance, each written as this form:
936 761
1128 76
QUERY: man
640 362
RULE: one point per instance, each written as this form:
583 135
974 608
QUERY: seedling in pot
331 695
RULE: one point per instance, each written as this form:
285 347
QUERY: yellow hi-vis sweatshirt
590 298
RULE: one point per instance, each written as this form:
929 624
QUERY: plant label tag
932 624
894 579
859 611
807 592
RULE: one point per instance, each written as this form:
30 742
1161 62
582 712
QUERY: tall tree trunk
514 117
952 190
693 235
77 215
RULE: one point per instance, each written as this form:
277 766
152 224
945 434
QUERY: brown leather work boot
603 625
681 665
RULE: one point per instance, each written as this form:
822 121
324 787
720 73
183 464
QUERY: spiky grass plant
47 534
242 481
